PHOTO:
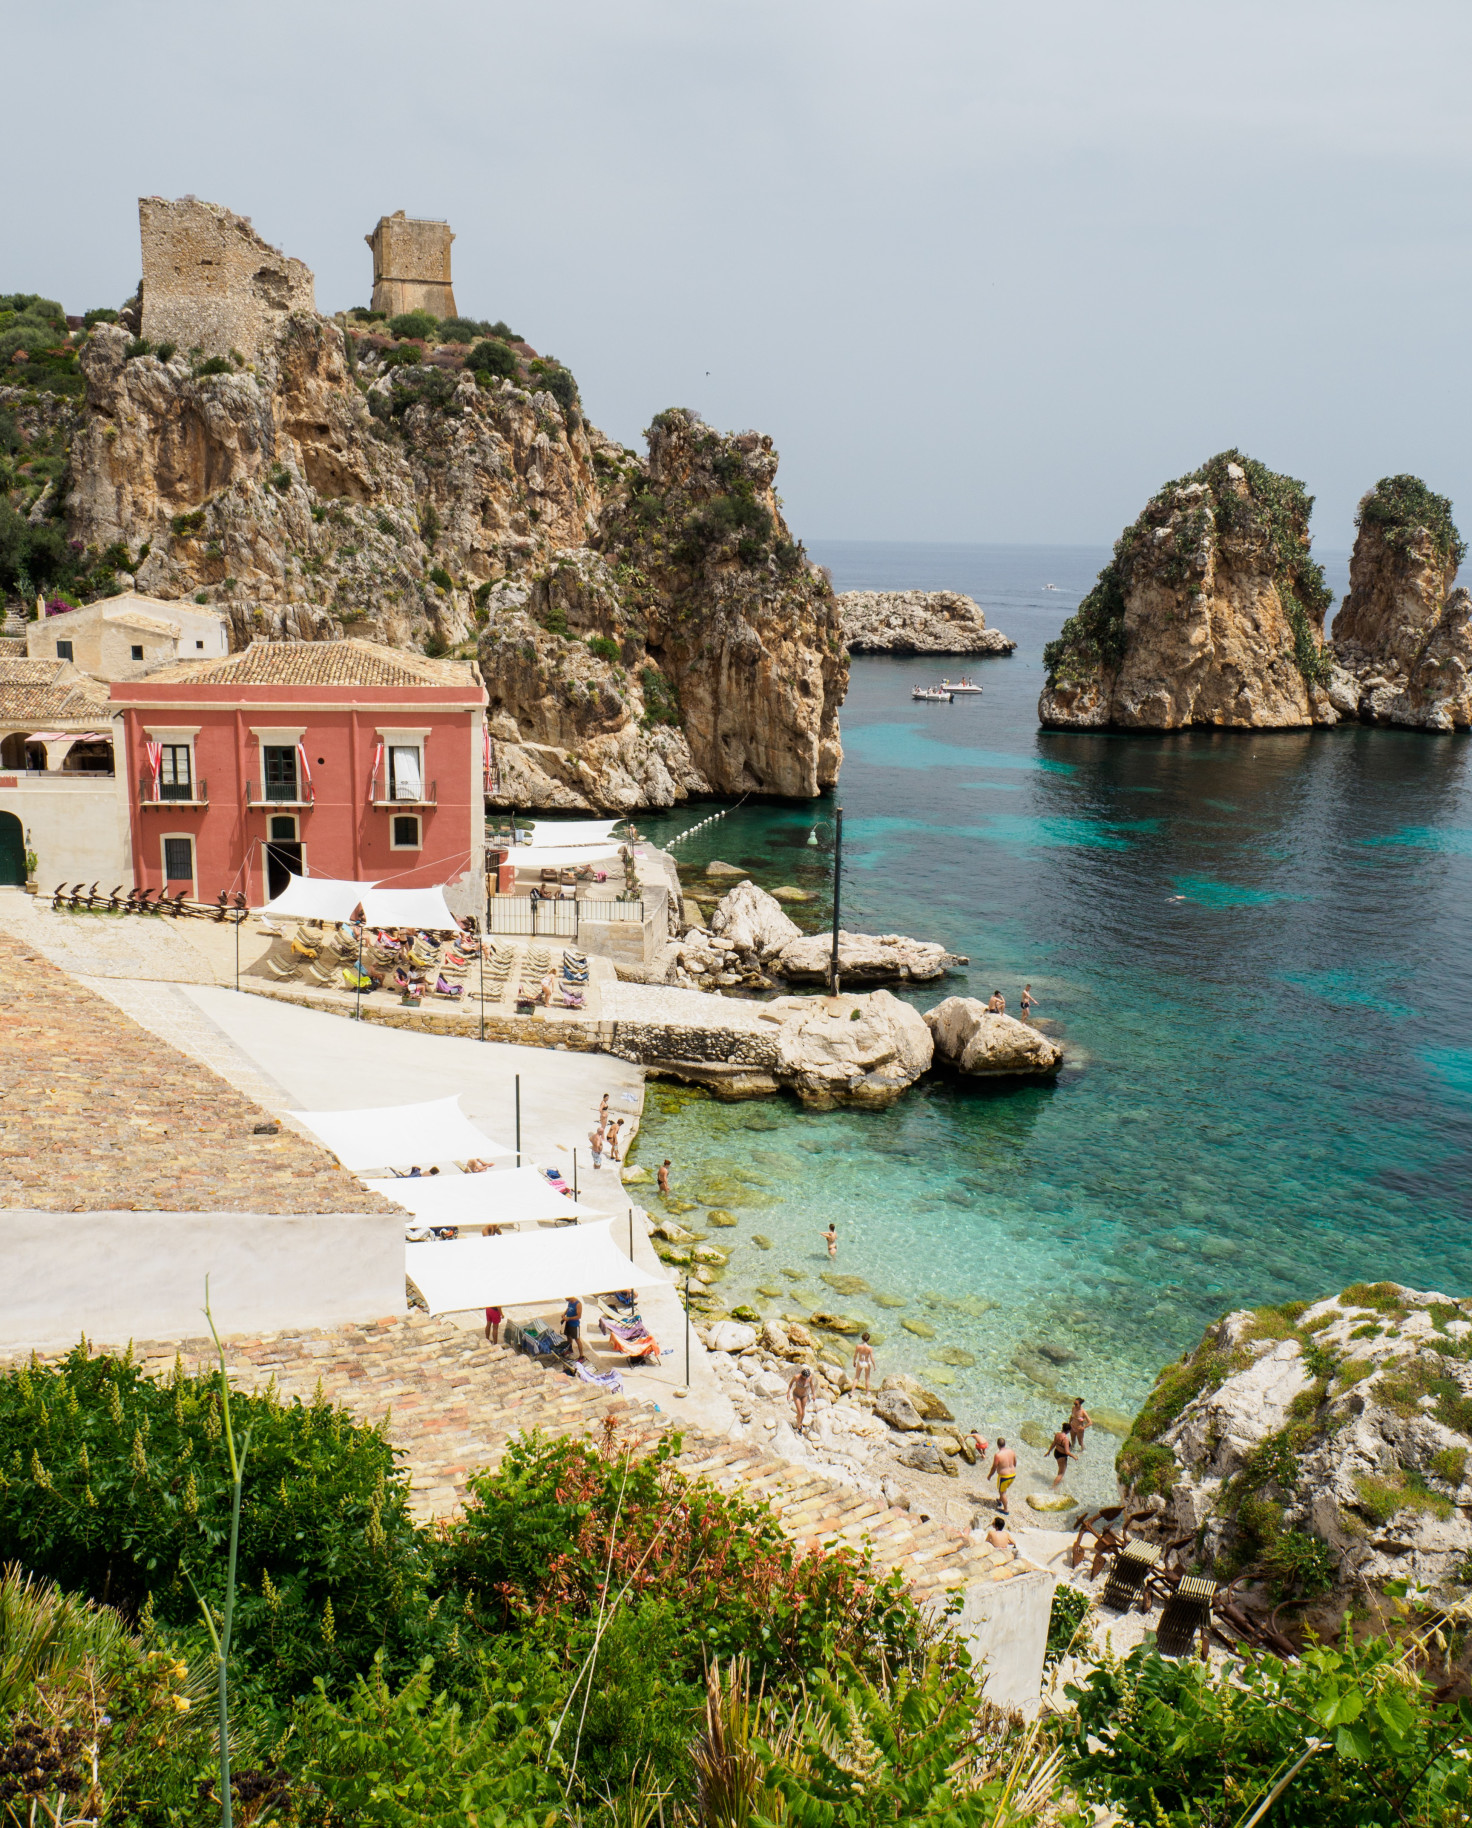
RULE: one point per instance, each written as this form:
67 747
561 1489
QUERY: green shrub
556 380
281 479
661 700
438 575
1402 506
421 386
1450 1464
458 330
435 646
215 364
185 525
491 360
429 525
165 351
554 620
102 314
140 345
33 556
1071 1607
409 355
419 325
1384 1297
603 647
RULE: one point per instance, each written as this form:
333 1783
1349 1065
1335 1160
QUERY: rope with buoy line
701 824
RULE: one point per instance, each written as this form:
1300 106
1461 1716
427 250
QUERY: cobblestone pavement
133 947
99 1115
455 1402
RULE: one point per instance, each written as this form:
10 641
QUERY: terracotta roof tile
48 691
320 663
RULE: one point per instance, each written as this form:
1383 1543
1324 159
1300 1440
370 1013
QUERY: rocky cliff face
690 647
1210 612
1326 1445
1403 638
647 628
917 622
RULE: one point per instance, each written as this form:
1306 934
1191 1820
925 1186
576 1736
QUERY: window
136 651
283 827
200 646
63 650
176 775
405 832
280 772
179 860
405 772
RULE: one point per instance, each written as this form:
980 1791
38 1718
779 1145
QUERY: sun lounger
1126 1582
630 1338
605 1380
1185 1616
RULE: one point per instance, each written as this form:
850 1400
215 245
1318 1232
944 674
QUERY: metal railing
172 793
380 795
278 793
601 910
542 919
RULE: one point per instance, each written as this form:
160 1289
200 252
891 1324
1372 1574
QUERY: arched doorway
12 851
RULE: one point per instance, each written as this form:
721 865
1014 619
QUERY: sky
984 272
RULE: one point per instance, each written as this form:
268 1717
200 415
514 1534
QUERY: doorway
283 861
12 851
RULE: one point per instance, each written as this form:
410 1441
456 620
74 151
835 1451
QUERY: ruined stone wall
210 282
411 266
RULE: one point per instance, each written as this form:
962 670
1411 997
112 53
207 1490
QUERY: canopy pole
358 987
483 967
518 1117
837 888
574 1176
687 1329
631 1234
237 952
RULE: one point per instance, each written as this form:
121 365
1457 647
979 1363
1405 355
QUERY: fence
557 919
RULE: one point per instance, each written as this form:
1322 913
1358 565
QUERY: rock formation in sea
647 626
1325 1444
917 622
1210 612
979 1043
1403 636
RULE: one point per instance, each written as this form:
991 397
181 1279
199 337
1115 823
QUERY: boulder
970 1039
753 921
774 1338
730 1336
770 1384
917 622
895 1494
927 1404
865 958
717 868
1039 1501
895 1408
926 1457
1210 612
847 1050
800 1336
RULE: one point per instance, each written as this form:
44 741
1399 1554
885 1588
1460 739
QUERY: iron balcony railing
282 793
153 792
385 792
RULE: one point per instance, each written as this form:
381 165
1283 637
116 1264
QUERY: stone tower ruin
211 283
411 266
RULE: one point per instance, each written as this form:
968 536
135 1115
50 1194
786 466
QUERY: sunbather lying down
630 1338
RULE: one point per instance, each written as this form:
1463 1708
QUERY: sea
1256 948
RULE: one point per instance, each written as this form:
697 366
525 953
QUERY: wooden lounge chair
1126 1581
1186 1616
1108 1533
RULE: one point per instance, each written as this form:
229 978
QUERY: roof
132 618
49 691
318 663
133 602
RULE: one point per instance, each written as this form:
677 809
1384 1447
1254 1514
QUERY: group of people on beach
604 1138
997 1003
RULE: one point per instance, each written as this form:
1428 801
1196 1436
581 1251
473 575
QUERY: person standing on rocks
1062 1452
1004 1468
863 1363
1029 1001
662 1179
800 1388
1078 1424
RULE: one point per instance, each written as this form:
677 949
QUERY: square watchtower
411 266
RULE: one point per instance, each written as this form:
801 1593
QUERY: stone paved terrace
98 1115
455 1402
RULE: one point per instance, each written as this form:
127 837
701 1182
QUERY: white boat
963 685
930 695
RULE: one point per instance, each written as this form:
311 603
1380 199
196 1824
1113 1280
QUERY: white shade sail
529 861
401 1135
409 908
504 1196
522 1268
318 898
566 833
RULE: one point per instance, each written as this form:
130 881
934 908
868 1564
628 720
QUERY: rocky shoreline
917 622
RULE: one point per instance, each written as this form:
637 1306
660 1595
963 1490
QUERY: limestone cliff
1403 638
1210 612
917 622
647 628
1324 1444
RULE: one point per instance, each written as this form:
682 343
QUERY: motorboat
963 686
930 695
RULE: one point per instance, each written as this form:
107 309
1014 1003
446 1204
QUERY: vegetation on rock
1402 507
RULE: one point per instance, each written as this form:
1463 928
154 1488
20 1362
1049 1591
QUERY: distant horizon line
826 539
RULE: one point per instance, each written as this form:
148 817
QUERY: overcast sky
984 272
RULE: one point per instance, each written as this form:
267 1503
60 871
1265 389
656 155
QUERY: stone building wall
210 282
411 266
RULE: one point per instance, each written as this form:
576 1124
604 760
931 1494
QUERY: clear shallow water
1257 947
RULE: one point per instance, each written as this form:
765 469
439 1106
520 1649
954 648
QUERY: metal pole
483 967
358 986
631 1234
237 951
687 1329
518 1120
837 891
574 1175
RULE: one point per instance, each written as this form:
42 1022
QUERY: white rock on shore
753 921
851 1050
973 1040
865 958
917 622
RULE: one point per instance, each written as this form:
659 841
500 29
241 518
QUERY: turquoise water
1256 948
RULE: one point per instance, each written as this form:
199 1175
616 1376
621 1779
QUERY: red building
337 758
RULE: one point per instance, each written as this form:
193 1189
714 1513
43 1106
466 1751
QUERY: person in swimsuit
998 1004
1029 1001
662 1179
980 1443
800 1388
572 1324
830 1238
1062 1453
863 1362
1078 1424
494 1317
611 1139
595 1143
603 1111
1004 1467
999 1536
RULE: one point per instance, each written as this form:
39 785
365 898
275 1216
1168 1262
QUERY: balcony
172 793
405 794
281 793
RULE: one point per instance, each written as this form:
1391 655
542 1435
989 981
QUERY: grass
1384 1297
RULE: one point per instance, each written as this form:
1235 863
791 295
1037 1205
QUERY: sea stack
1210 612
917 622
1403 638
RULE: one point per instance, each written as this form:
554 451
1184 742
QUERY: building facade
411 266
333 758
127 636
61 800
